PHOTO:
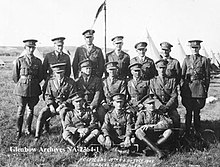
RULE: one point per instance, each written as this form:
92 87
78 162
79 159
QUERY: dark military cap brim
166 46
77 96
195 43
58 40
118 97
85 63
118 39
135 66
88 33
30 42
111 65
140 45
58 65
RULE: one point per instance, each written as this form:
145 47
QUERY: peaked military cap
58 40
195 43
111 65
118 97
140 45
77 96
58 67
118 39
88 33
161 63
135 66
30 42
85 63
166 45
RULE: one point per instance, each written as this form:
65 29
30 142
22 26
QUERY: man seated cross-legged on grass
116 128
152 126
58 90
80 126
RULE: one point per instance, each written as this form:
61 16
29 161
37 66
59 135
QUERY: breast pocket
35 69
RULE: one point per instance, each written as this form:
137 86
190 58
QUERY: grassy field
53 151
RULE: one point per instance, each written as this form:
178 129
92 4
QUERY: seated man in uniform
137 87
111 85
165 90
58 90
80 125
116 128
152 126
91 86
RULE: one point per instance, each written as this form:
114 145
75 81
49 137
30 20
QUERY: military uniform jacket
52 58
57 95
195 77
123 62
137 90
148 118
165 92
148 67
173 69
74 121
95 55
92 90
112 87
27 75
117 126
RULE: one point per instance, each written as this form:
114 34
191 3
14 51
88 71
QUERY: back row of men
135 78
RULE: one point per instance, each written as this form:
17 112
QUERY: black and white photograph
102 83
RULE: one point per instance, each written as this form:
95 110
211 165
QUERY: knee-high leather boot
29 122
20 118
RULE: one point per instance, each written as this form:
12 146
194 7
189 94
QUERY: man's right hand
108 142
52 110
83 131
147 127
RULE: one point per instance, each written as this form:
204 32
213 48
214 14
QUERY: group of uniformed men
136 98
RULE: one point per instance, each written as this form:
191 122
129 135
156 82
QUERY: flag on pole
152 50
97 13
182 53
214 60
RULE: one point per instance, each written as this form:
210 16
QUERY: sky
165 20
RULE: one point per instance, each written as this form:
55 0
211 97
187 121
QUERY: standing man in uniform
81 125
148 66
59 89
173 67
119 56
116 128
27 74
195 84
57 56
90 85
91 52
165 91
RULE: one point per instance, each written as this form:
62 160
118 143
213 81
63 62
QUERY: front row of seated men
81 125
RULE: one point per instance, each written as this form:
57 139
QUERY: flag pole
105 29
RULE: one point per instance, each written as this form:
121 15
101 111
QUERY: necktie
29 60
163 79
86 79
58 56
